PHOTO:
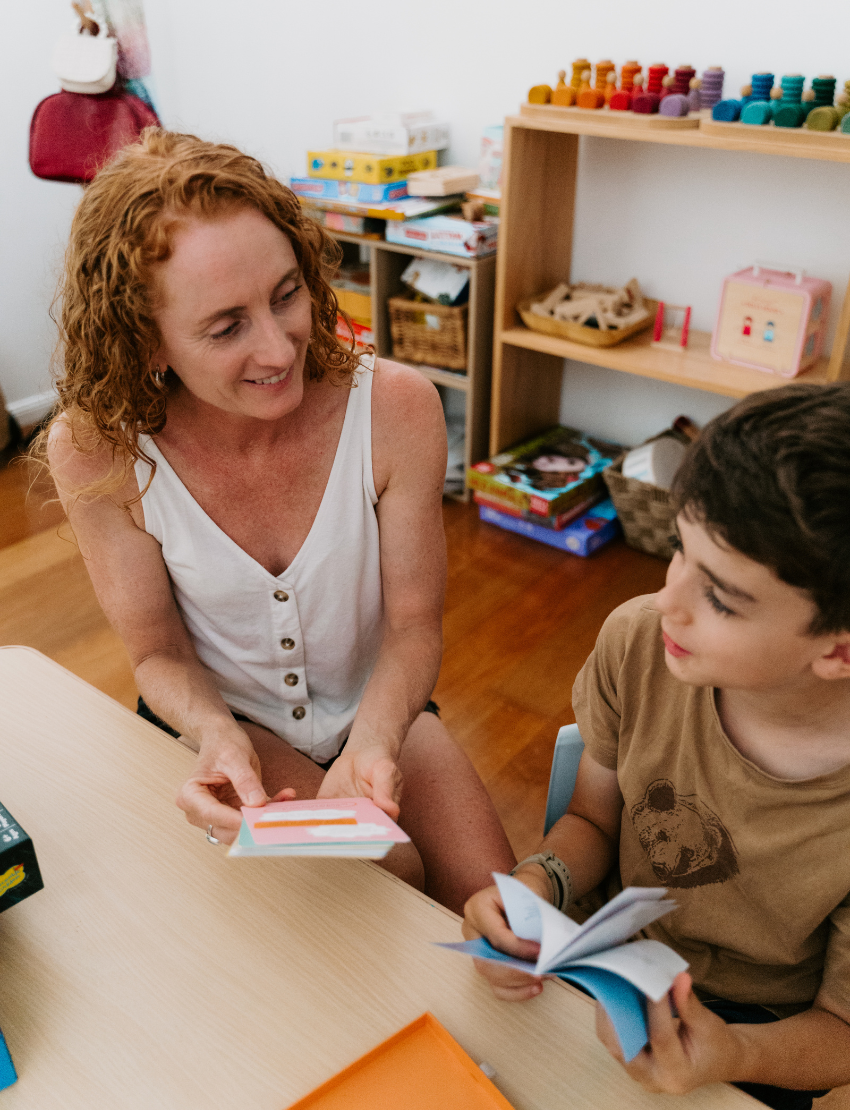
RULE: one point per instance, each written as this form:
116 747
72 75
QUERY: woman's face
234 315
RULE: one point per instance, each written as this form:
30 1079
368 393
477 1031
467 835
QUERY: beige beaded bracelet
558 874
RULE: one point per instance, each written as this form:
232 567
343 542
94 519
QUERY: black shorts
145 711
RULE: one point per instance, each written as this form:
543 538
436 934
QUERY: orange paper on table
420 1067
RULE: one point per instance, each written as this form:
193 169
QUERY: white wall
34 215
270 75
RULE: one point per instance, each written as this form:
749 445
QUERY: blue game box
582 536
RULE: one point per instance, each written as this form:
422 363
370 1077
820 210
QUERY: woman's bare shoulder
80 462
400 391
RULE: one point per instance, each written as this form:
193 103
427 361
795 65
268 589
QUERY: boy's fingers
517 994
605 1032
485 916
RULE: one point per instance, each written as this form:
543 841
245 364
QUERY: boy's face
728 621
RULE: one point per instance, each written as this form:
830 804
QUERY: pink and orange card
353 827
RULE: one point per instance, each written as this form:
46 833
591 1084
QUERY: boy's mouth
671 646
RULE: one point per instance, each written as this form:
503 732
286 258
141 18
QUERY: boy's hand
484 915
684 1052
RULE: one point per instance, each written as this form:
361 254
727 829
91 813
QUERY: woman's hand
684 1052
365 773
484 915
226 776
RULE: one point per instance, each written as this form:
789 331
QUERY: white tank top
293 652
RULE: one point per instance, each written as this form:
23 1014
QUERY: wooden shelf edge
694 367
711 135
450 378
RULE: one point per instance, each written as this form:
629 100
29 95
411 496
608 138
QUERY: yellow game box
369 169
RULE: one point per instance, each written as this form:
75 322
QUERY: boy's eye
675 542
716 604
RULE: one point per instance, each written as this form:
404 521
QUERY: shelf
824 146
451 378
415 252
693 367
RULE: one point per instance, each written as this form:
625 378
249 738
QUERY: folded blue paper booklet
593 956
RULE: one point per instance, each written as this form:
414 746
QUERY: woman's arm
132 585
409 465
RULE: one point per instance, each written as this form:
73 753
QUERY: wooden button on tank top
291 680
280 595
287 644
298 712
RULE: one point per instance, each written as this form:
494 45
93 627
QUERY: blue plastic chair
562 777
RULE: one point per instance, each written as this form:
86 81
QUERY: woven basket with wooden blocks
431 333
596 315
645 508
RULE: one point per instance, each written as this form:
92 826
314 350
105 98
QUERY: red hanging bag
73 134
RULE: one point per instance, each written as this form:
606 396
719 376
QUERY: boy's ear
835 663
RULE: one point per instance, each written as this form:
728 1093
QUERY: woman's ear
835 663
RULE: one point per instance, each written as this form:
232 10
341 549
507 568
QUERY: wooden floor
521 619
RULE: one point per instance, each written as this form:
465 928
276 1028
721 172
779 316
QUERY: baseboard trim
31 410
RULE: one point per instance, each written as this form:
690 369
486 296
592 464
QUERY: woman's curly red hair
123 227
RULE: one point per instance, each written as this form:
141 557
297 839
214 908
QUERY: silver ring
210 836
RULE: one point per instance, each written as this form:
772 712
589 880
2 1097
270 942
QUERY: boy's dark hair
771 477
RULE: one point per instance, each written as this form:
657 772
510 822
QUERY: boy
716 719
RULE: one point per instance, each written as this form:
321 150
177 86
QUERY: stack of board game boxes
550 488
360 186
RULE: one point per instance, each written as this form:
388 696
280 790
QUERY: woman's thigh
281 765
448 814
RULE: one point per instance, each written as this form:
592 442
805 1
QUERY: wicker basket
646 512
432 333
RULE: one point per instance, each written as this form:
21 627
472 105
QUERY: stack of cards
318 827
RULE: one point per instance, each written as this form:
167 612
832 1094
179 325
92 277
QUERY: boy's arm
810 1051
587 840
587 837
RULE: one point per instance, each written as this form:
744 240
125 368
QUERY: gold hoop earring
158 377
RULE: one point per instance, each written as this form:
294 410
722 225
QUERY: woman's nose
272 346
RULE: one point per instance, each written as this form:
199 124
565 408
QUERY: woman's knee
404 861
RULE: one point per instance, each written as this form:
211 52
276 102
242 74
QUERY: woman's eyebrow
235 309
733 591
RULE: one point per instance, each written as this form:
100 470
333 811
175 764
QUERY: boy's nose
672 599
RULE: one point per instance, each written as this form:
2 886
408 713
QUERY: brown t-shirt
759 866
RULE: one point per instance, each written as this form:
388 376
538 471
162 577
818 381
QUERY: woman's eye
284 297
229 330
716 604
675 543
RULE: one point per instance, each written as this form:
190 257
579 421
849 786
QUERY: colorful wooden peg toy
563 94
621 101
540 94
647 101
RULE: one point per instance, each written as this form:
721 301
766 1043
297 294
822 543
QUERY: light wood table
153 972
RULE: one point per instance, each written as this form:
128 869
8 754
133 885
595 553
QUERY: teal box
319 188
8 1075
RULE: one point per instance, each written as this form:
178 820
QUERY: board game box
547 475
19 873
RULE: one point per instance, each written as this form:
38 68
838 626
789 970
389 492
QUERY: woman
258 508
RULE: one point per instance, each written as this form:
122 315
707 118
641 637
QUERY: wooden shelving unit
540 163
387 262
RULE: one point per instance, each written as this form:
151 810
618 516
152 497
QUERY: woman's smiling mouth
267 381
